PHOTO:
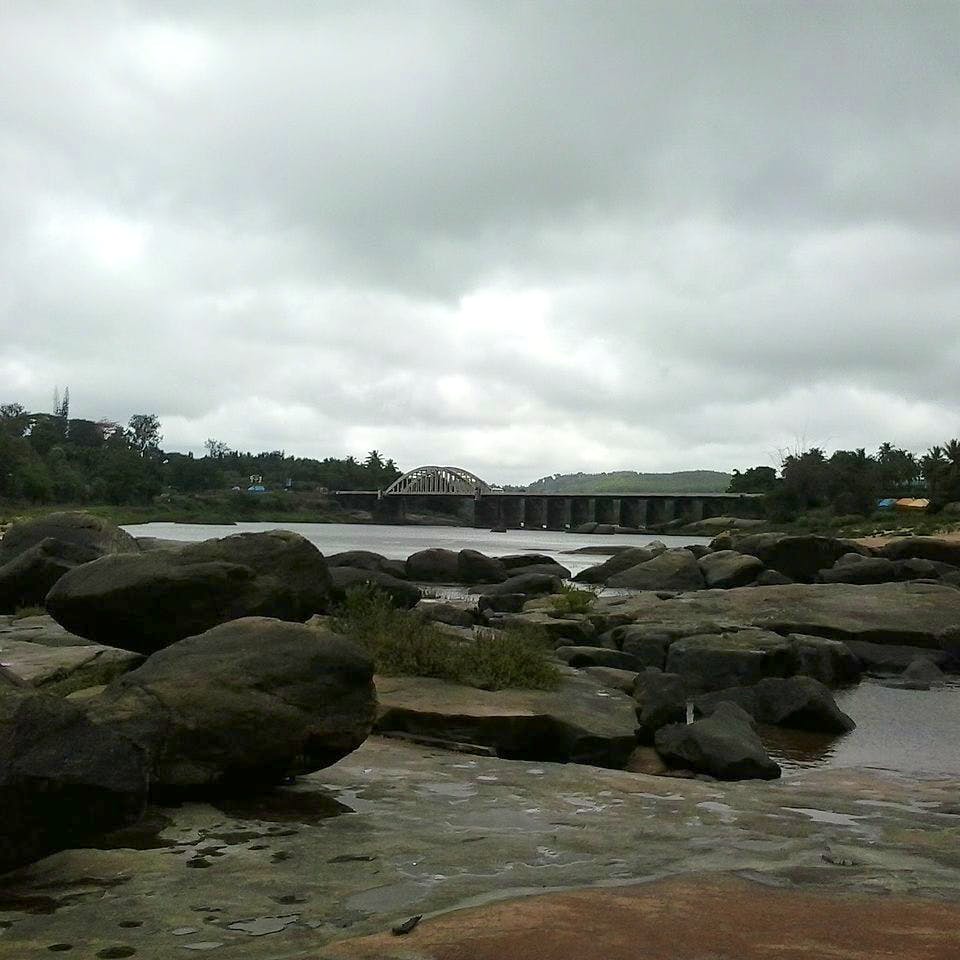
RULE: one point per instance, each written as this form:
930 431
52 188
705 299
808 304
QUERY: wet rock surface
876 852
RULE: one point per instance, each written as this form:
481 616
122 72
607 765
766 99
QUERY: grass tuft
575 599
404 644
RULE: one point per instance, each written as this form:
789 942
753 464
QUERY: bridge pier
558 513
582 510
607 510
487 513
512 511
633 512
534 513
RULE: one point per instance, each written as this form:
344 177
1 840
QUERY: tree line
55 458
853 481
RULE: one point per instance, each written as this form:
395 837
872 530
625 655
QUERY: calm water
398 543
910 731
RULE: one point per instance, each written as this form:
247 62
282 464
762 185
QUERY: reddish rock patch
680 919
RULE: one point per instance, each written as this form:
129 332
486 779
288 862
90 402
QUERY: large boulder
367 560
855 568
717 661
528 584
728 568
925 548
476 567
63 780
888 658
800 703
581 721
454 613
670 570
552 569
244 705
723 745
623 560
798 557
146 601
586 656
514 561
831 662
661 699
646 644
435 565
35 554
401 592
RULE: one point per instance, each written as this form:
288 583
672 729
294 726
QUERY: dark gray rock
623 560
144 602
718 661
500 603
433 566
723 745
860 570
476 567
771 578
798 557
887 658
831 662
35 554
455 613
589 527
646 644
367 560
799 703
671 570
727 568
528 584
623 680
585 656
926 548
924 670
550 569
244 705
401 592
63 781
661 700
514 561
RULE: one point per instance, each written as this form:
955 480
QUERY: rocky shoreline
210 673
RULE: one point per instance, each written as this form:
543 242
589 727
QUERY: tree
145 433
754 480
216 449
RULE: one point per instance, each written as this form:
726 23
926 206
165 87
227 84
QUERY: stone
61 670
96 536
887 658
647 761
571 628
771 578
831 662
623 680
245 705
63 781
488 605
144 602
916 614
729 659
919 568
723 745
579 722
923 670
670 570
727 568
605 529
661 699
401 592
926 548
368 560
860 570
435 565
476 567
589 527
528 584
648 646
585 656
548 569
42 629
456 613
798 557
513 561
623 560
798 703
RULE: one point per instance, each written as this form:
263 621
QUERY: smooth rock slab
580 722
61 670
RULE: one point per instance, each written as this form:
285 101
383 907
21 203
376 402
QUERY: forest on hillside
630 481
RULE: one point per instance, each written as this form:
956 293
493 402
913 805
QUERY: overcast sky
523 238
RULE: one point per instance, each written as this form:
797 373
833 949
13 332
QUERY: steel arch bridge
438 480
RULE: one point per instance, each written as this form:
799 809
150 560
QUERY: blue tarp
888 504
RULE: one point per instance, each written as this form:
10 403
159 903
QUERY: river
398 542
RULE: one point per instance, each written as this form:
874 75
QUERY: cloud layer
520 237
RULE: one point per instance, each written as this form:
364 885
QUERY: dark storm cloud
523 236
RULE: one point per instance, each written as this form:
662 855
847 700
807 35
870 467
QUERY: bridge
460 493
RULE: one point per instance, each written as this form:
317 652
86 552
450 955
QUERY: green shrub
574 599
404 644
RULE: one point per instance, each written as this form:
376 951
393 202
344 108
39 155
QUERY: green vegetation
21 613
575 599
629 481
403 644
844 488
51 458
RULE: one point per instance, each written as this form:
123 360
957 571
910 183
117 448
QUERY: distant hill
629 481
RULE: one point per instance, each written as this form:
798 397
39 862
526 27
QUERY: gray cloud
524 237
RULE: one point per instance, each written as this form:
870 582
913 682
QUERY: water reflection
909 731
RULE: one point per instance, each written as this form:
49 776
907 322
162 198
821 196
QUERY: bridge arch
438 480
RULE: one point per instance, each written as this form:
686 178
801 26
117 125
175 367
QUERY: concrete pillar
534 513
511 509
487 512
633 512
582 510
655 511
608 509
558 513
392 509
